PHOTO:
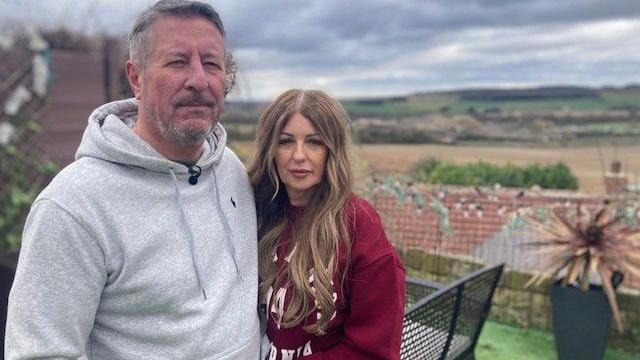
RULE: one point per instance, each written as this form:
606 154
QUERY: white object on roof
18 97
36 41
6 42
40 75
6 132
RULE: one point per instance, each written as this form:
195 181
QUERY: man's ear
134 75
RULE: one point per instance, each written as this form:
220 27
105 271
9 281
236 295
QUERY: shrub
555 176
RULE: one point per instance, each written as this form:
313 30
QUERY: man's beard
171 130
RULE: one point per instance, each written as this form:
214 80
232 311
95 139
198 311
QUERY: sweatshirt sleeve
56 291
373 329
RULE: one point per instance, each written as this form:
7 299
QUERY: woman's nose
298 153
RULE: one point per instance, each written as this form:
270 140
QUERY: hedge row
555 176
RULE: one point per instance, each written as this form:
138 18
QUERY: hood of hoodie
109 136
153 267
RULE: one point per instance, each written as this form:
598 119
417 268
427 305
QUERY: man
145 246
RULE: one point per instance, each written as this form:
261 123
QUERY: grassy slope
608 100
498 342
434 102
396 109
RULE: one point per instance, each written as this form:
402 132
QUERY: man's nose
196 79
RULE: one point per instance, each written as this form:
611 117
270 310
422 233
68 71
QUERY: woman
331 284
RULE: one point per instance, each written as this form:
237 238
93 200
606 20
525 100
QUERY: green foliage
404 191
443 215
423 168
555 176
635 334
23 175
400 187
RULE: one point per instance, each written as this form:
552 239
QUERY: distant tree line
555 176
551 92
380 134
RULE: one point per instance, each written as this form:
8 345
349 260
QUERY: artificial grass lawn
498 342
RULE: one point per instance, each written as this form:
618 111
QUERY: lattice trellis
24 78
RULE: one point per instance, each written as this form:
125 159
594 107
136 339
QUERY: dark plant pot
581 322
8 262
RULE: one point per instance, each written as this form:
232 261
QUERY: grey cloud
381 46
382 19
398 25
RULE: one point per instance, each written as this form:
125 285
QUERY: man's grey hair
141 35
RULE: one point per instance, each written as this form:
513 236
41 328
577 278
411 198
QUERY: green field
395 109
413 106
420 104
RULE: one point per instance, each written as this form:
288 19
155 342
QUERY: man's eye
177 63
212 65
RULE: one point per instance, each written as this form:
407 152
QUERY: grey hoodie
122 258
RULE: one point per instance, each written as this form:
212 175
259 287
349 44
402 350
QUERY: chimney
615 181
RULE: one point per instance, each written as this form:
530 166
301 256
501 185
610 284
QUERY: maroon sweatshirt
367 323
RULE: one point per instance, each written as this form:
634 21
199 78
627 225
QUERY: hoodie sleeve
373 329
56 291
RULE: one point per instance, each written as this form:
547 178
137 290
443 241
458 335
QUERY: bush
23 174
556 176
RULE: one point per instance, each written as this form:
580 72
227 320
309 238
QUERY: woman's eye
285 141
316 142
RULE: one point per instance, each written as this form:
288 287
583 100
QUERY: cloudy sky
365 48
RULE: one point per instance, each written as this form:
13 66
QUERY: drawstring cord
227 228
189 232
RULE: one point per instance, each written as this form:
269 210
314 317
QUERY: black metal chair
444 321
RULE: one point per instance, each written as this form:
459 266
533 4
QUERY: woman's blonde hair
321 236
